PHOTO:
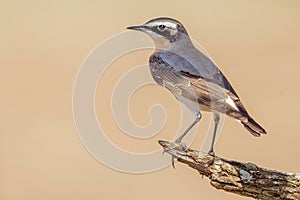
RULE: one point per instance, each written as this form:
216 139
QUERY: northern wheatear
192 77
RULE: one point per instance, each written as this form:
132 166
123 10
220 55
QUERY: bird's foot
208 158
173 149
179 146
212 153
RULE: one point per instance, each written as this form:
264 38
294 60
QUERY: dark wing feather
182 78
187 68
213 94
169 77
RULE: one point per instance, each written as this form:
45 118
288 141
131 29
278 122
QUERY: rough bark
246 179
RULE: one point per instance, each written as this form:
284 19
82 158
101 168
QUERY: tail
253 127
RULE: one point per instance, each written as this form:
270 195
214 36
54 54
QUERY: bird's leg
216 123
198 117
178 140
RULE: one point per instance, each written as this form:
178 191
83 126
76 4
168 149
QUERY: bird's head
165 32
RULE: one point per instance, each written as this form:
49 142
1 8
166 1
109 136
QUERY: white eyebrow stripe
167 24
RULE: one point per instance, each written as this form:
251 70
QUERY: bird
192 77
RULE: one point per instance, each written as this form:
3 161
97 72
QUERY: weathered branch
246 179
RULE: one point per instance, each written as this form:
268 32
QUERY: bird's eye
161 27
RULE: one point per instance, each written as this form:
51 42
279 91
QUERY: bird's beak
136 28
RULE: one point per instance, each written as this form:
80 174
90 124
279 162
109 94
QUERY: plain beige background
42 45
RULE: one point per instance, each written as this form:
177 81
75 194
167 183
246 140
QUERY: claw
164 151
176 145
173 162
212 153
183 147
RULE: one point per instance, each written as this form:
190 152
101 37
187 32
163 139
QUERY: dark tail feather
253 127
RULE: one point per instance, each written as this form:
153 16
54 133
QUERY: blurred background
255 43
